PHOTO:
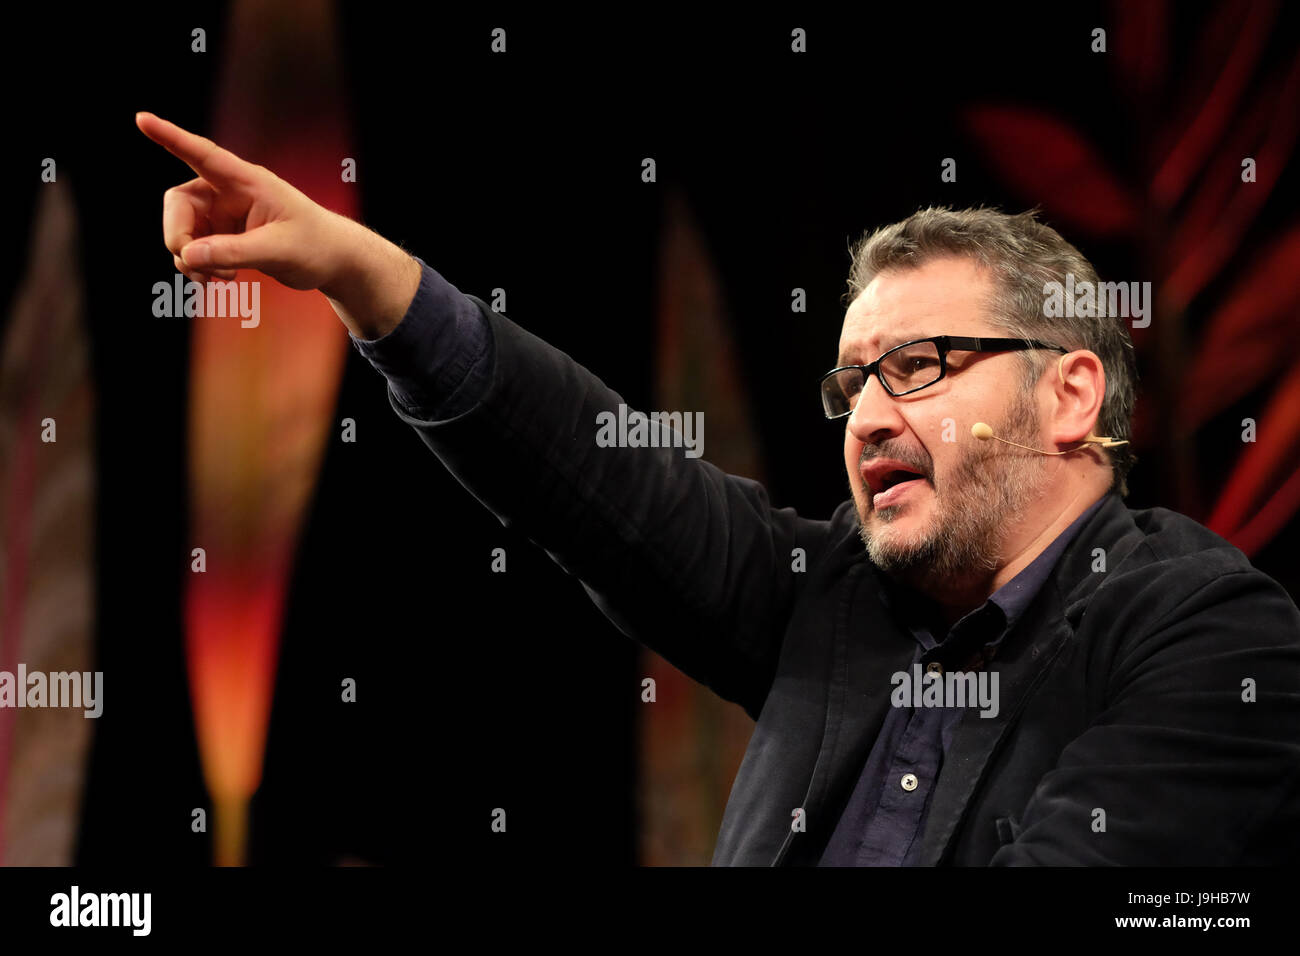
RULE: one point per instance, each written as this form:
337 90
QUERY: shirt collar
1015 596
999 613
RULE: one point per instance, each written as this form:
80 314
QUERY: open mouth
894 485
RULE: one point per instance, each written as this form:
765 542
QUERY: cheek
945 459
852 456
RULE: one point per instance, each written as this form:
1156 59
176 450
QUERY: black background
479 690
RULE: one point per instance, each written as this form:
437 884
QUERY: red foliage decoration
1192 220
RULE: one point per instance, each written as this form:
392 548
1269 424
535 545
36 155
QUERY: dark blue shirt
439 357
438 362
883 822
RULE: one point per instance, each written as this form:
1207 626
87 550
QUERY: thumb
256 249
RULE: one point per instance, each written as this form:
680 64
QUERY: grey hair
1023 255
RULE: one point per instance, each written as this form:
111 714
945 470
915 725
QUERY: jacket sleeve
1195 757
686 559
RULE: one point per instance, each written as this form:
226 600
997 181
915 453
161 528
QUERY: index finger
218 166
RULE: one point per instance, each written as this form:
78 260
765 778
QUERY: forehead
942 297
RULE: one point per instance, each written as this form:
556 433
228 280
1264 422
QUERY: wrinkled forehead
942 297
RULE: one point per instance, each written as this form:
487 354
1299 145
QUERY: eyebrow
886 344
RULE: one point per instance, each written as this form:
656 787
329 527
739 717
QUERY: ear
1078 390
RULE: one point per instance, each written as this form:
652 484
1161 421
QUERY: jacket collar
854 715
1023 661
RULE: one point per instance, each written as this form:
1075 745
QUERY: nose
875 414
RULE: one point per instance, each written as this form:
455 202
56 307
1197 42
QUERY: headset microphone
984 433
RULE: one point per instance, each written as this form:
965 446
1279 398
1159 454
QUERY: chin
910 510
901 526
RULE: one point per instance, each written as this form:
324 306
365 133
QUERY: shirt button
909 781
934 667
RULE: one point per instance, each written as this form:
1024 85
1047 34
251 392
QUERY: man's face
954 519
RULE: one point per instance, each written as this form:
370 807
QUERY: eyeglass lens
904 369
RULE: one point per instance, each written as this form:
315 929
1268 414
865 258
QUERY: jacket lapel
868 649
1023 659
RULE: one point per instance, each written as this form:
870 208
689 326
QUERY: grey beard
992 484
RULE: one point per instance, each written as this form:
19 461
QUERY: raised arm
688 560
237 215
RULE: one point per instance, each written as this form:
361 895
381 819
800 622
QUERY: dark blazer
1126 731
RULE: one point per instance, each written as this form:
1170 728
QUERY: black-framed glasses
910 367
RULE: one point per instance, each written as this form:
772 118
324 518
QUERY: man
1017 669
